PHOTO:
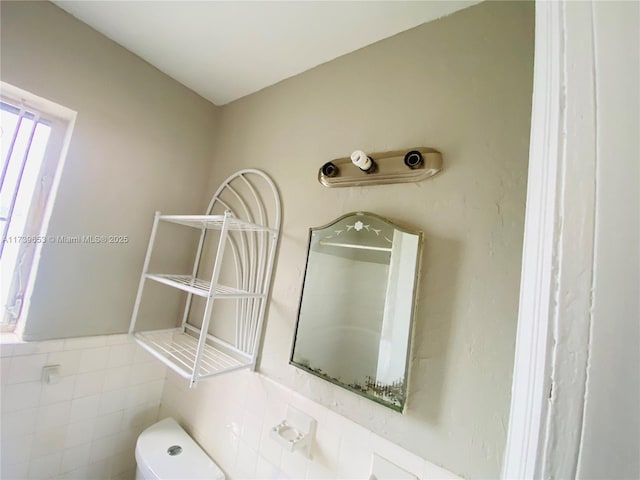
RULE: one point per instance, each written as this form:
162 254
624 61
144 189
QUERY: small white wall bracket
51 374
296 432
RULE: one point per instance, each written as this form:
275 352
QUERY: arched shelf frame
245 216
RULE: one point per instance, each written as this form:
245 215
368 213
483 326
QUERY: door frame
555 310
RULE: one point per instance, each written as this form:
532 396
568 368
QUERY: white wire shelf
200 287
178 350
214 222
248 237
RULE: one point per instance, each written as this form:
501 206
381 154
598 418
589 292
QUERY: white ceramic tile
7 341
311 408
47 442
13 471
232 418
143 414
45 467
119 338
85 407
245 466
136 395
19 423
255 396
355 434
147 372
49 346
69 361
89 383
25 348
20 396
128 439
81 473
100 469
277 398
269 448
93 359
251 430
27 368
106 425
126 475
317 471
397 455
293 464
79 433
57 392
120 355
326 447
53 415
223 443
142 356
265 469
75 457
144 393
155 388
81 343
112 401
105 447
6 346
353 461
5 364
342 448
18 450
116 377
122 463
332 424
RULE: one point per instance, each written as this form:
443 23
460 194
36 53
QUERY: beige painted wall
142 142
463 85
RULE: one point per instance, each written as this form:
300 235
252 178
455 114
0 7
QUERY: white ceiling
225 50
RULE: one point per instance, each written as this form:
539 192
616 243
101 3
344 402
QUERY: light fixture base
391 168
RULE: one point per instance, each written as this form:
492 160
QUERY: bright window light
32 141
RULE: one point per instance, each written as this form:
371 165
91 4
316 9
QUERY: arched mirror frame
388 393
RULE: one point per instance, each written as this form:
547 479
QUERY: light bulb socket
413 159
329 170
373 166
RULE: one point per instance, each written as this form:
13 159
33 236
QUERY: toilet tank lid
168 452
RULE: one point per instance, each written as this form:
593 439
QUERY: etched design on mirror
356 308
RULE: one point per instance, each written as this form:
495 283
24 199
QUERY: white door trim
554 319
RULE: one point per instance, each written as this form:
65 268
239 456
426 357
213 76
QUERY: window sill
9 338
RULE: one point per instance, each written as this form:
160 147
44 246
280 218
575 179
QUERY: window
34 135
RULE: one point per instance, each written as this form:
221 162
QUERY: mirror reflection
354 322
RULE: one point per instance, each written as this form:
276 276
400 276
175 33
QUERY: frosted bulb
361 160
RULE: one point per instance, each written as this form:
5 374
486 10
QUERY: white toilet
165 451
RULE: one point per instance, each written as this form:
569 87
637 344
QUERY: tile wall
85 425
231 417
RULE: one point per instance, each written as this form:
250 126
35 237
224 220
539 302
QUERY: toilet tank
164 451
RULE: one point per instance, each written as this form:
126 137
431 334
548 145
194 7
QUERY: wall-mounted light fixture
359 169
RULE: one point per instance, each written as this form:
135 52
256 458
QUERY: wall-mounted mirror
354 322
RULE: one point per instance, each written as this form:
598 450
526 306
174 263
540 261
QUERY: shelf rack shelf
246 212
215 222
200 287
178 350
